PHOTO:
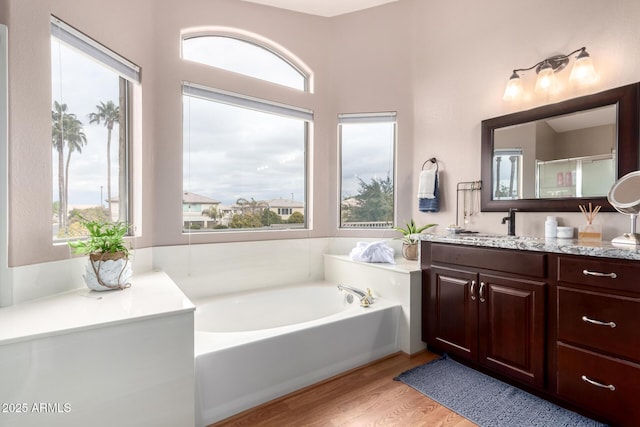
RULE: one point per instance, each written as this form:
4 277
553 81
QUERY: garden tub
253 347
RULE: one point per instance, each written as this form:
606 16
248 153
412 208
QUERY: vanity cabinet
598 336
488 307
566 327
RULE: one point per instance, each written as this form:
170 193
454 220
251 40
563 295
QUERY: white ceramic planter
111 273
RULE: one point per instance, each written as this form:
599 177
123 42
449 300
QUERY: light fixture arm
557 62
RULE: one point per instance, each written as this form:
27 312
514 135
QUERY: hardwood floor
366 396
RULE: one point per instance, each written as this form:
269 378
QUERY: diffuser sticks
592 212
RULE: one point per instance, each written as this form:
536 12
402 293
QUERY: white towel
427 184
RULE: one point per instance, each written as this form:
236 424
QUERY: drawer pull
598 274
473 290
598 322
597 384
482 298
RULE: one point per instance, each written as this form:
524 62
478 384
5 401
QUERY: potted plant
409 244
108 267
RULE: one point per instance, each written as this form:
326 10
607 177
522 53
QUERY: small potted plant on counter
108 267
409 244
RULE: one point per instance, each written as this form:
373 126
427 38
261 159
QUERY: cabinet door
511 327
453 312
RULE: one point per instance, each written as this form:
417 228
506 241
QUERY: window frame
129 75
261 105
503 153
362 118
296 65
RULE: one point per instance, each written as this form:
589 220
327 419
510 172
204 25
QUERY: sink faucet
366 299
512 221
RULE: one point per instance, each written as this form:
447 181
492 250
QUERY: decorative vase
410 250
105 272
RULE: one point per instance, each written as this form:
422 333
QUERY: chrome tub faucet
366 299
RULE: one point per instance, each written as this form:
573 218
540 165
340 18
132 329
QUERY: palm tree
108 114
75 140
57 137
66 130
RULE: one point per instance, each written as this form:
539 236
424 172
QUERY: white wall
5 291
464 54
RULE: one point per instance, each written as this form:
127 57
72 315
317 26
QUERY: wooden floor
366 396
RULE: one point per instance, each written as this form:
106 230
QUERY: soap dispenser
551 227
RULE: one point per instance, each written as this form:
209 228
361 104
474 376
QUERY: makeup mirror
624 196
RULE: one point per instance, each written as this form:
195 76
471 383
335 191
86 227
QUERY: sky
228 152
367 152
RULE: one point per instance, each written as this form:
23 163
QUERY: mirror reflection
572 155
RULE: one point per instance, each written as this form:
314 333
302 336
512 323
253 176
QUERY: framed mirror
555 157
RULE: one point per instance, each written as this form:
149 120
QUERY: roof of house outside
285 203
188 198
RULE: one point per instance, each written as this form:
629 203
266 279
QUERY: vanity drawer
579 310
576 366
601 272
510 261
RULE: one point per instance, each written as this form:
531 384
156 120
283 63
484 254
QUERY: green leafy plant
412 228
104 238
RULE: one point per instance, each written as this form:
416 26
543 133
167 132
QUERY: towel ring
432 160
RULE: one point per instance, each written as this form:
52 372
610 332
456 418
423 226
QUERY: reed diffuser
590 232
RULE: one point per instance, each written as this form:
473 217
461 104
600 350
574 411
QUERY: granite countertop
538 244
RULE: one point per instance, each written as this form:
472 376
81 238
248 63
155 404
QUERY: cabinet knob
473 290
598 322
482 296
598 274
597 384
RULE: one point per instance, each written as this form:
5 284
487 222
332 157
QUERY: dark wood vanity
566 327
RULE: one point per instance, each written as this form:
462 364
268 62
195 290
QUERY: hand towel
428 201
427 184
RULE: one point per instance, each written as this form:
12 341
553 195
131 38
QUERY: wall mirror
554 157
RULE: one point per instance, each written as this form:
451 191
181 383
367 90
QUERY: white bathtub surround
239 370
401 283
34 281
219 268
102 359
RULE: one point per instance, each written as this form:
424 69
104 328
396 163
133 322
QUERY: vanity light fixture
582 74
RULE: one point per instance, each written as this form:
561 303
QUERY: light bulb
546 79
514 88
583 73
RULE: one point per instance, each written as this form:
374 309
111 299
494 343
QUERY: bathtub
254 347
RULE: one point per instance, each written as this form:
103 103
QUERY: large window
244 162
90 121
367 147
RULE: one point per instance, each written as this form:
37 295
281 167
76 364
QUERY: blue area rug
487 401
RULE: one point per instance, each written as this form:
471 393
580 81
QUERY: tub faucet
512 221
366 299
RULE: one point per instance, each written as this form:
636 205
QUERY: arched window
243 57
244 157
